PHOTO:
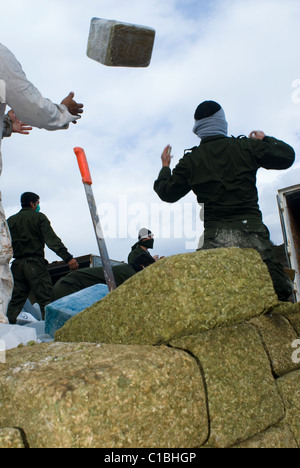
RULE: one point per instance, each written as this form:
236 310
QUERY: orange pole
87 182
83 166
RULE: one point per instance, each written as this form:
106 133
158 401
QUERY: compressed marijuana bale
11 437
277 334
294 317
177 296
243 399
289 388
66 395
279 437
117 44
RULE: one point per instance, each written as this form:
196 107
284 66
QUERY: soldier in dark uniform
145 242
30 231
86 277
222 174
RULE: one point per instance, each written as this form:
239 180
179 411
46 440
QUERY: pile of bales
194 351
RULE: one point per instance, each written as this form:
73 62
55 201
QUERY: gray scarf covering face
210 126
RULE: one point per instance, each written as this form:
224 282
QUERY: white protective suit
33 109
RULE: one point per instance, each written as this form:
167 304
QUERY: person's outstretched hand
73 265
17 125
73 107
166 156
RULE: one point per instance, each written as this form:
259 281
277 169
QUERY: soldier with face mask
30 232
222 174
145 242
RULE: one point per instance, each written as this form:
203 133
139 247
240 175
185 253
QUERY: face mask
38 208
149 243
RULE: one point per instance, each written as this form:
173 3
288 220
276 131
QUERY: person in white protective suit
31 107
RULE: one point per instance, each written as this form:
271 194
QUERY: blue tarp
58 312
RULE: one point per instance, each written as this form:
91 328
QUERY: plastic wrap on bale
118 44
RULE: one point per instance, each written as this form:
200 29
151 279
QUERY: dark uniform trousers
29 274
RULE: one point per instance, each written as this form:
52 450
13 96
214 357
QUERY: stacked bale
178 296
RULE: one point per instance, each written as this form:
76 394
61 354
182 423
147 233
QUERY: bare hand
73 107
73 265
166 156
257 135
17 125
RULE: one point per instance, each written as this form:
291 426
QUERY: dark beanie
207 109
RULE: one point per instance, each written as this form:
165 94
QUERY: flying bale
117 44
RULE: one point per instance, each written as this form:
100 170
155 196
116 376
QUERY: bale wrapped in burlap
177 296
66 395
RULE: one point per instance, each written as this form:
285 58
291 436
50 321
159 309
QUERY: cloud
242 54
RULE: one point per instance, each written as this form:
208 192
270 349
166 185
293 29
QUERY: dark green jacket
136 251
30 231
222 174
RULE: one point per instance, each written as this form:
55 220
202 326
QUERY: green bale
277 437
243 399
11 437
286 308
294 318
289 388
67 395
277 335
177 296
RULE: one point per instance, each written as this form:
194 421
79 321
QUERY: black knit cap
207 109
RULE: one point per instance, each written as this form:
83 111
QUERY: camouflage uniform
32 108
7 126
6 281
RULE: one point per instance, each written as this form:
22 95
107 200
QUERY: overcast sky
243 54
